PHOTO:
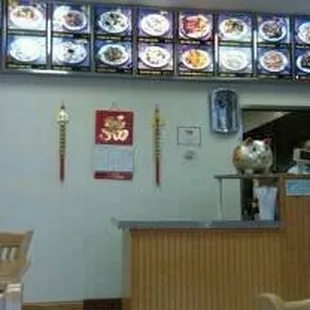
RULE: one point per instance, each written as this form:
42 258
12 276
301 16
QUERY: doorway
287 128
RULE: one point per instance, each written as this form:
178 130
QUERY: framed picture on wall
189 135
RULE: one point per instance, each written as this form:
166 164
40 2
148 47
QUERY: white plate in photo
113 55
196 59
272 31
155 25
26 17
155 57
195 26
113 22
234 60
70 53
233 29
303 62
26 50
274 61
74 20
304 33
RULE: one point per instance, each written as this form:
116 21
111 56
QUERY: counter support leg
220 211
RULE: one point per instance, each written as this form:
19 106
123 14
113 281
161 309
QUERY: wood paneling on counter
220 269
204 269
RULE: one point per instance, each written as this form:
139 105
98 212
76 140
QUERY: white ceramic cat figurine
253 156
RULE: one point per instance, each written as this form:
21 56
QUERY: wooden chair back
269 301
13 256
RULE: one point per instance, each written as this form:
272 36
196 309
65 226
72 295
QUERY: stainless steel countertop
175 224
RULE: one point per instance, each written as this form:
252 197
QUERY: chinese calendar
114 145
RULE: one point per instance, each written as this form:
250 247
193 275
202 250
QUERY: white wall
76 250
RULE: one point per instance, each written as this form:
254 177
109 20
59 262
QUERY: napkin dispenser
301 156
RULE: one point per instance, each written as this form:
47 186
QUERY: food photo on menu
195 26
195 60
236 27
113 20
26 52
71 54
113 56
302 30
71 19
235 60
155 23
302 62
26 15
155 58
273 29
273 62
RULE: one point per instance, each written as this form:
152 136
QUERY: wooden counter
217 265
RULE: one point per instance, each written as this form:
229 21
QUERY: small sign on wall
297 187
189 135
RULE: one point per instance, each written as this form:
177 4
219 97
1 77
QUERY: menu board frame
92 70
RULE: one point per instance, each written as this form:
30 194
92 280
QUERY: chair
13 265
269 301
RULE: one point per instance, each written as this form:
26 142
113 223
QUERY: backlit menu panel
26 42
273 47
71 38
302 47
235 37
113 39
195 51
155 49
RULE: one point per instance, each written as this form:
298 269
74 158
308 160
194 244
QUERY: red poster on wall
113 145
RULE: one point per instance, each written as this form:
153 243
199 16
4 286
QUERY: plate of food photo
233 29
70 19
196 59
25 50
155 57
272 31
274 61
71 53
113 55
303 62
234 60
27 17
155 25
304 33
196 26
113 22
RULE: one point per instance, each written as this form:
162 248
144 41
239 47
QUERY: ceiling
274 6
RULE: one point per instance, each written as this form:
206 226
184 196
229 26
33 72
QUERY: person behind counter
301 168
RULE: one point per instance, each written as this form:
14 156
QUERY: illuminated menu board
155 49
235 37
71 37
273 47
155 42
195 45
113 39
26 41
302 47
